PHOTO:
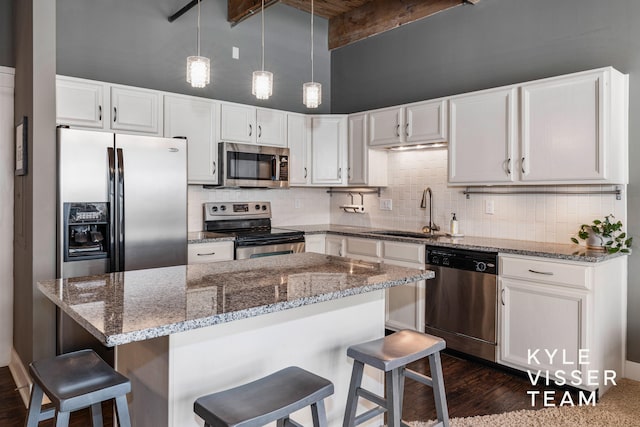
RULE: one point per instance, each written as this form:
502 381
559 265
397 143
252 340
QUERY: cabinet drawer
199 253
366 247
575 276
407 252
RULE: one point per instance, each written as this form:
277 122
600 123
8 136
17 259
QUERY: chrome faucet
431 227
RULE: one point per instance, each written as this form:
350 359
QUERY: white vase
595 241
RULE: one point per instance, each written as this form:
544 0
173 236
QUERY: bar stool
392 354
272 398
76 381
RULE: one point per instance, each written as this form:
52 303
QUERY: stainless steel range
250 223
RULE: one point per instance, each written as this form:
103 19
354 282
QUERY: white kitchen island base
169 373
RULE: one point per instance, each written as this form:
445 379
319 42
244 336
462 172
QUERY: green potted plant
605 235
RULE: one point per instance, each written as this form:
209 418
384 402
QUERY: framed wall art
21 146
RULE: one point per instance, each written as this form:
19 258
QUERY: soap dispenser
453 225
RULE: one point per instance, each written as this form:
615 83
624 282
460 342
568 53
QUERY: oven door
244 252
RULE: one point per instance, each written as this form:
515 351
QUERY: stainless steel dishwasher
462 301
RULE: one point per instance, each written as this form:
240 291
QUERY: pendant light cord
312 40
262 14
199 27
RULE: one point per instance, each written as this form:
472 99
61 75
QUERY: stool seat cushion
264 400
397 349
78 380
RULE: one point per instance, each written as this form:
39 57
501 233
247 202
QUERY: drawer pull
546 273
212 253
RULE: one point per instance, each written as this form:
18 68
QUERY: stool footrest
366 394
416 376
366 416
288 422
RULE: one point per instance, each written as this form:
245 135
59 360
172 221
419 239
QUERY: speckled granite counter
208 236
119 308
521 247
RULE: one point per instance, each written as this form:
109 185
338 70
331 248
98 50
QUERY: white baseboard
632 370
20 376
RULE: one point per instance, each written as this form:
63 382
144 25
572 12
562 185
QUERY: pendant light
198 67
312 91
262 82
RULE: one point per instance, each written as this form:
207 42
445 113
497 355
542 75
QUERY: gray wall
131 42
6 33
498 42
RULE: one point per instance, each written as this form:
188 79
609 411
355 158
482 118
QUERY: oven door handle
269 241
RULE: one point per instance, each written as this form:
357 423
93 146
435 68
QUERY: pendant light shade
262 82
312 91
198 67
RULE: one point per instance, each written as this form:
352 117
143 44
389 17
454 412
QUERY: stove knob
445 261
223 208
481 266
214 209
434 260
264 207
257 207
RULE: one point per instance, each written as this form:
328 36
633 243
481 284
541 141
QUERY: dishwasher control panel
463 259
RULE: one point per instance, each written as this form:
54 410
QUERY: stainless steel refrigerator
122 205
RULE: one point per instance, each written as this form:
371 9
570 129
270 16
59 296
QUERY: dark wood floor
472 388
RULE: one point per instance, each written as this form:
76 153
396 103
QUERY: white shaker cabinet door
271 127
426 122
329 150
80 103
136 110
385 127
237 123
298 140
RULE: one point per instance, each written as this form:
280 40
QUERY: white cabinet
421 122
572 129
195 119
335 245
80 103
251 125
97 105
363 249
366 166
577 310
329 150
298 135
315 243
482 137
199 253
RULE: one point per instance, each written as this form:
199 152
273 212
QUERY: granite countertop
520 247
208 236
119 308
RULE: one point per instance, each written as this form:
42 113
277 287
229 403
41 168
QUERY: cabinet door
328 150
201 253
237 123
540 317
297 137
271 127
426 122
195 119
80 103
563 129
334 245
134 109
482 132
384 127
358 165
315 243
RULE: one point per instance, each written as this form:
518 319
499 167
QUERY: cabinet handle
546 273
100 112
398 130
305 173
406 129
259 131
214 168
522 165
250 130
502 297
212 253
349 174
509 166
339 173
115 114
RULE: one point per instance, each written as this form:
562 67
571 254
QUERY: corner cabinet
195 119
366 166
329 150
573 309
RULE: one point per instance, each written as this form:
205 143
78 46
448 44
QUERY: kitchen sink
412 234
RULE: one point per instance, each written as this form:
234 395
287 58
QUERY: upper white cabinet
572 128
251 125
366 166
329 150
298 135
97 105
421 122
482 136
195 119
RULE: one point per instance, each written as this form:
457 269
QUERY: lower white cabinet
315 243
566 318
200 253
334 245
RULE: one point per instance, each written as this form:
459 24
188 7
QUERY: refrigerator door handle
121 224
112 209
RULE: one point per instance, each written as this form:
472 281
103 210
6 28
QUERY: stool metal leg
35 404
62 419
319 414
438 388
394 411
96 414
352 397
123 411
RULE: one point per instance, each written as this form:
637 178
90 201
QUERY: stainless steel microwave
255 166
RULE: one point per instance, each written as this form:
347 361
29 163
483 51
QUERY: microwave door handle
121 224
274 168
112 209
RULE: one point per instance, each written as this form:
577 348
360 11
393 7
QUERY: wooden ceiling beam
239 10
378 16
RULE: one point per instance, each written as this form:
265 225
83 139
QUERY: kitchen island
185 331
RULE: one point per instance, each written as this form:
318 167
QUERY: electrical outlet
489 207
297 203
386 204
235 52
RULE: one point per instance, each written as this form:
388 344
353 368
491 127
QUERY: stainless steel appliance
250 223
462 301
245 165
122 205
